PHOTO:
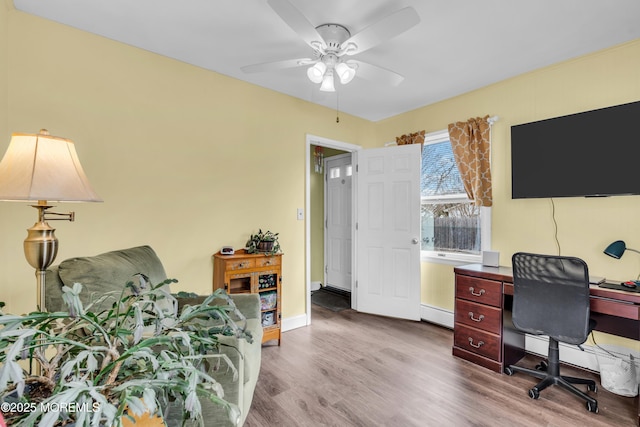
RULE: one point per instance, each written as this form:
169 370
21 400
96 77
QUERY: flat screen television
594 153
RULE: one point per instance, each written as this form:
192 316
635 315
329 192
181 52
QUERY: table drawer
479 316
239 264
268 261
477 341
479 290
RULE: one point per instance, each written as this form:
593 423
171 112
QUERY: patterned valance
412 138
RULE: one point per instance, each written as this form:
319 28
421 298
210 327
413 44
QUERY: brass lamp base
41 246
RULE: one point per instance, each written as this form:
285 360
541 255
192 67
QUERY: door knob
415 241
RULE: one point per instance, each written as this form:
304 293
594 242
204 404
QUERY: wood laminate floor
354 369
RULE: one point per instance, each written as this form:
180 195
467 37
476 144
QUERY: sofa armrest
244 355
248 304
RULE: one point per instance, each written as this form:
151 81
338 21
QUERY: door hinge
326 269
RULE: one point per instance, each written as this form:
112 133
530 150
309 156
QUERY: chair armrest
248 304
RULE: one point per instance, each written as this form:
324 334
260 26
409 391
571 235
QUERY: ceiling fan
333 46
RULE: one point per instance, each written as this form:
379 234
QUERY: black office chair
551 297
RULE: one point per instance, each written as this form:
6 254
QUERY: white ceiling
459 45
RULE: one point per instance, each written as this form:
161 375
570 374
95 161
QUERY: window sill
449 258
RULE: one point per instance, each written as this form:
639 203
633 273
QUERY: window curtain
471 146
412 138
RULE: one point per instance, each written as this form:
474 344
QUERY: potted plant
83 368
263 242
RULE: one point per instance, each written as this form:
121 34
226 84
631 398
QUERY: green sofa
112 270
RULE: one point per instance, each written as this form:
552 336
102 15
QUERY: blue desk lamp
616 250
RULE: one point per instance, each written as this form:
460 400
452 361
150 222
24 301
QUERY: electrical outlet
300 214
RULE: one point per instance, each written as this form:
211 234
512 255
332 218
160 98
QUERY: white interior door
387 248
338 221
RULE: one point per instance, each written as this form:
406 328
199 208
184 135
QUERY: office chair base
565 382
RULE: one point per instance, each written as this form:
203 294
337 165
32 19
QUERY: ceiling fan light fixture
316 73
327 82
346 73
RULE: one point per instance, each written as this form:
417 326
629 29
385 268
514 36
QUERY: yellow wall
585 226
185 159
188 160
4 43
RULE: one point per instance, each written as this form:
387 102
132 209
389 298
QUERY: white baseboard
294 322
437 315
533 343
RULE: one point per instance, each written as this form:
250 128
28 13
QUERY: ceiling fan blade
383 30
298 22
278 65
377 74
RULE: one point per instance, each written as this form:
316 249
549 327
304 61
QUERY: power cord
613 354
555 225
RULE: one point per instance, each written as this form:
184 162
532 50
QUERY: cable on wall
555 225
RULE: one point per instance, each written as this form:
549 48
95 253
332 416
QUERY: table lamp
616 250
42 168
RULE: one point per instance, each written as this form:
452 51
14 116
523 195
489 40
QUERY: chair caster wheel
509 371
534 393
592 387
542 366
592 407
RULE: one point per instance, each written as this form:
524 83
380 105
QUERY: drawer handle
267 262
242 265
480 343
472 317
476 294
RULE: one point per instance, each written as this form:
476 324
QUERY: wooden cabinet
483 332
253 273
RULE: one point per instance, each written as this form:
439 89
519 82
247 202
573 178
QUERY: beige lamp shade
43 167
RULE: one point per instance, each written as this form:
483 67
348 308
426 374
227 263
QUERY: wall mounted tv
594 153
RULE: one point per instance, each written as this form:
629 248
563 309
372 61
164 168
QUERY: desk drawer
479 290
479 316
477 341
615 308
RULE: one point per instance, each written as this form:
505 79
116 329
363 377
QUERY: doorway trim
328 143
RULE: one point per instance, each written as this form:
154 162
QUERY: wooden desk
484 333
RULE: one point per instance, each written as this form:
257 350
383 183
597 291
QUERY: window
335 172
453 227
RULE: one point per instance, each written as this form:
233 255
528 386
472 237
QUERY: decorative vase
265 246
